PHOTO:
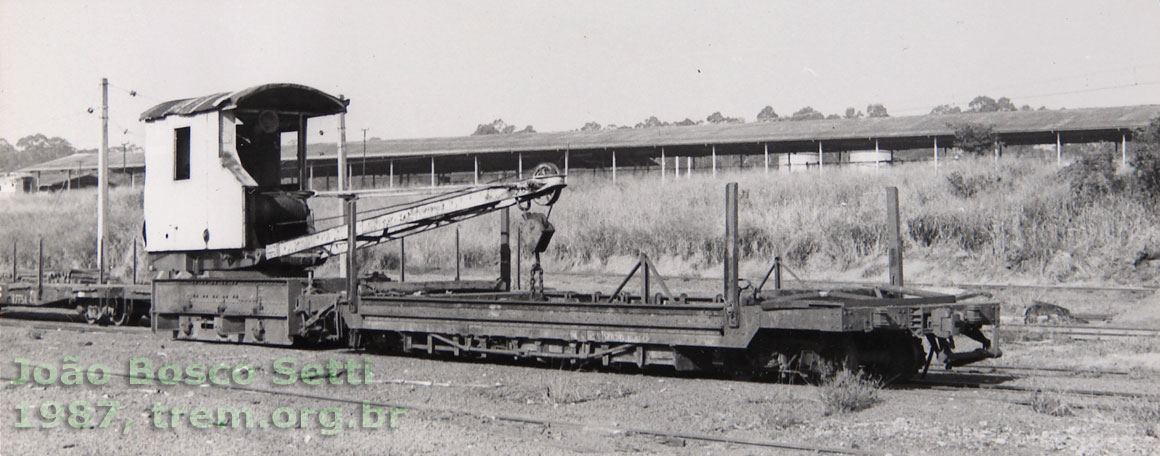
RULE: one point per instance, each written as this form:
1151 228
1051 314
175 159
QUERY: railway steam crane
233 245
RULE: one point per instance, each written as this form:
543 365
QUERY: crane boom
426 215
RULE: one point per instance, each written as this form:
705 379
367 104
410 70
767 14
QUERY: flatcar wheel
121 313
92 313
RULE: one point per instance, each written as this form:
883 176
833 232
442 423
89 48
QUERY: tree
685 123
852 113
591 126
833 117
31 150
807 113
1005 105
1146 161
945 109
1025 108
983 103
499 127
876 110
651 122
496 127
717 118
976 138
767 114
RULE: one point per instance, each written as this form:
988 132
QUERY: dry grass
849 391
1050 403
971 220
67 222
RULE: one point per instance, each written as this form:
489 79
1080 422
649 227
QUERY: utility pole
103 180
342 175
364 170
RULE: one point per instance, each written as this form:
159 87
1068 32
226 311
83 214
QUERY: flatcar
233 246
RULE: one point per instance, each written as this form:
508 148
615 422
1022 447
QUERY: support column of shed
432 171
936 152
766 158
614 165
714 161
1124 150
1058 149
662 164
475 174
821 157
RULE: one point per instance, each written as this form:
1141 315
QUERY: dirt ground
476 407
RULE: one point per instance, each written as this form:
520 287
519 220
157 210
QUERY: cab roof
278 97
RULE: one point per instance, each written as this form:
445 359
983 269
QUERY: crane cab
215 191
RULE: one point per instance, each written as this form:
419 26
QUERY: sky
424 69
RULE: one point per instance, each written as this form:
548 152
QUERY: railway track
64 325
1083 331
1045 371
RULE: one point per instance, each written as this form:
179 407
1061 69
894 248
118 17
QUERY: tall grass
969 219
67 223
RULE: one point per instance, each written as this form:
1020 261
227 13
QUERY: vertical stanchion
402 259
14 260
351 252
456 253
134 262
894 231
40 272
505 249
776 273
519 257
732 291
644 285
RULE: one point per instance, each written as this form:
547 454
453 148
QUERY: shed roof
1017 123
133 160
281 96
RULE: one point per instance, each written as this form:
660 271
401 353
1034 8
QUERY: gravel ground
457 407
